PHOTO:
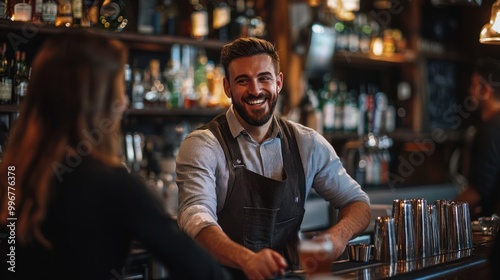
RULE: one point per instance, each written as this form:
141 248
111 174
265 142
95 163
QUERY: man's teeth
255 102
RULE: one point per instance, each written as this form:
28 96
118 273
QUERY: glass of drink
316 254
489 225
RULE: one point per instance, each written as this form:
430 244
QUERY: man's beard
250 119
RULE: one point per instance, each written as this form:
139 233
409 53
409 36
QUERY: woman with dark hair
75 209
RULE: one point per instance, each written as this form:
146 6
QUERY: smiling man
244 177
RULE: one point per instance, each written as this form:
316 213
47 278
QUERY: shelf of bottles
185 29
362 35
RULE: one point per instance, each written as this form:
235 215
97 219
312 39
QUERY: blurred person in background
483 180
483 187
77 208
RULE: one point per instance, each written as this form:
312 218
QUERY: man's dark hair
244 47
489 69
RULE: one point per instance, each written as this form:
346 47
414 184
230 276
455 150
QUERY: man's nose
254 87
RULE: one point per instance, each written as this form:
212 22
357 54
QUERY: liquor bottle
20 77
339 106
137 101
200 78
381 104
22 11
365 34
328 103
165 18
352 36
5 78
351 112
370 108
342 37
90 13
255 26
128 81
49 12
238 19
199 20
3 9
36 8
404 106
77 7
64 13
172 76
157 90
113 15
220 20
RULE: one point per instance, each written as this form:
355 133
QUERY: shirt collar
236 128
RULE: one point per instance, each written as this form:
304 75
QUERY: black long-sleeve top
95 215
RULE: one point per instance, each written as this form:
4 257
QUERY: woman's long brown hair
72 109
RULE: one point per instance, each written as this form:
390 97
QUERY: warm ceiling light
490 33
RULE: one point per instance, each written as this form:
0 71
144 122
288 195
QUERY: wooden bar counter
464 264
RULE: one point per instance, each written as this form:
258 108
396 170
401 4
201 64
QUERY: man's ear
227 89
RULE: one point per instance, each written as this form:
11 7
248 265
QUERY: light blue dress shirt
202 171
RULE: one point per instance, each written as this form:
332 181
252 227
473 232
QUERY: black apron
261 212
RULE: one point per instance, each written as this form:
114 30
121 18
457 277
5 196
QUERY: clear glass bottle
351 112
21 77
49 12
339 106
328 104
137 91
3 9
36 8
22 11
199 20
5 77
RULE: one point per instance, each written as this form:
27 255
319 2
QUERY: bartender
244 177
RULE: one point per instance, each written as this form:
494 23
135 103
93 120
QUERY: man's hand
264 264
353 220
339 246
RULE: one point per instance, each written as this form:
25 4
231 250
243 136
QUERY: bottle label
329 116
199 22
77 8
2 9
22 89
38 6
350 117
65 8
5 89
222 17
49 12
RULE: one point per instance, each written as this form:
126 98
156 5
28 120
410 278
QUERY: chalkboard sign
441 89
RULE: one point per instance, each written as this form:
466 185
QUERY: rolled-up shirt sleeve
326 174
198 164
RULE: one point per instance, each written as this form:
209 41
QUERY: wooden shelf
364 59
9 108
150 112
133 40
163 112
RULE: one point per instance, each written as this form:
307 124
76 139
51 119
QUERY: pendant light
490 33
